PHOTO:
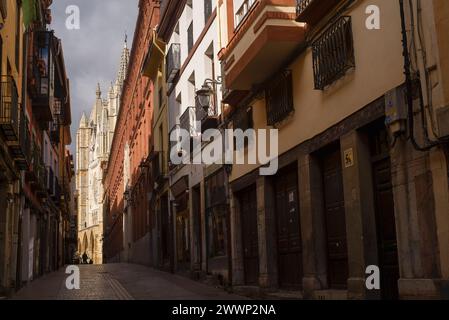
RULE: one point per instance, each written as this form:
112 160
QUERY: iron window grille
279 97
333 53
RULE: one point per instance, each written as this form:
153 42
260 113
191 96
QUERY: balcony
41 81
267 35
312 11
9 109
207 115
173 62
333 53
187 121
37 175
41 182
20 149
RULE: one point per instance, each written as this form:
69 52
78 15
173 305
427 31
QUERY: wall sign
349 158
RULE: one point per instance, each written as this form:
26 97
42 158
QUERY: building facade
127 182
359 182
94 139
357 93
35 120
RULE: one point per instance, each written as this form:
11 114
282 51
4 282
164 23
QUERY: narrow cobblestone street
121 282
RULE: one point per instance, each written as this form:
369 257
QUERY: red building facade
127 178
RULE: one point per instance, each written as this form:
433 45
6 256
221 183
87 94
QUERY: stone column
440 169
416 218
203 226
312 225
266 220
238 277
360 213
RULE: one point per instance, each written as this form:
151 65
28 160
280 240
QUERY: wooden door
289 244
335 221
250 240
196 203
164 230
385 218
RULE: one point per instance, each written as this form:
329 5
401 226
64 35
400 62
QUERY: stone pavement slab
121 282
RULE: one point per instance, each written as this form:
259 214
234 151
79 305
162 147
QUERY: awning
154 57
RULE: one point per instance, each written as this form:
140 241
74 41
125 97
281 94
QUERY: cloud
92 53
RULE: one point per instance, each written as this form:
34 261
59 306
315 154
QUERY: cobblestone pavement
121 282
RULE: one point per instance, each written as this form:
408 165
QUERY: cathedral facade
93 145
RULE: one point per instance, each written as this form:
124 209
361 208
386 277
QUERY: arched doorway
92 246
85 245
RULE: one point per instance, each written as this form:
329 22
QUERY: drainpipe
409 89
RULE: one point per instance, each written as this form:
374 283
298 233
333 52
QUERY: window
207 10
279 96
190 37
333 53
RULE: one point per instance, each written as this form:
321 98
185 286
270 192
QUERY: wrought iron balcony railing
173 62
9 109
208 116
311 11
302 5
243 11
187 121
333 53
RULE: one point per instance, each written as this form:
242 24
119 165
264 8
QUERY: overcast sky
92 53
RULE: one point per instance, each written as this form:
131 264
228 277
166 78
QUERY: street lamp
204 95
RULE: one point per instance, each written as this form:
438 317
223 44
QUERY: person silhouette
85 257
